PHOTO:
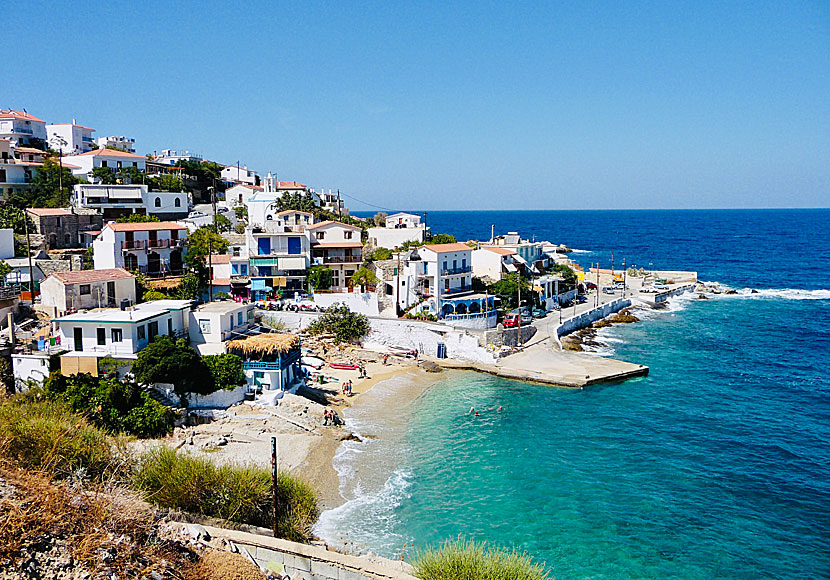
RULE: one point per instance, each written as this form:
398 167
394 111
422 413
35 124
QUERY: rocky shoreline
577 341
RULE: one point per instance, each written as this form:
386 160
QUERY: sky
438 105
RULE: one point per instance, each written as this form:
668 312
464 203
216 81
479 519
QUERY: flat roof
158 305
111 316
221 306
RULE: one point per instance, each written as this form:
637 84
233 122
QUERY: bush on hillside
239 493
347 326
463 560
47 436
227 370
110 404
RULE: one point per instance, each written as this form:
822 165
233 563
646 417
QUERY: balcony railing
458 290
134 245
151 244
24 131
453 271
342 259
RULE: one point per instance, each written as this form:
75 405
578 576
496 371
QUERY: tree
568 275
45 188
241 212
14 218
320 277
381 254
203 240
169 360
193 285
380 219
136 218
442 239
223 224
363 277
89 259
226 369
165 182
105 175
346 325
508 290
5 270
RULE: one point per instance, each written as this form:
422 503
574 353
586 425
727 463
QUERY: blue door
293 246
264 246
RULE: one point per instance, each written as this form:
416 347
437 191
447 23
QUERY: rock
754 291
221 442
197 532
156 576
731 291
702 297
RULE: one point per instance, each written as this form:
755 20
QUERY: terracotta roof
329 222
29 150
220 259
145 227
289 211
247 186
109 153
74 125
12 114
317 244
442 248
289 185
47 211
84 276
70 166
500 251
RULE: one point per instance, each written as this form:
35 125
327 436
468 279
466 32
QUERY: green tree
226 369
381 254
14 218
5 270
442 239
380 219
320 277
193 284
136 218
346 325
105 175
203 240
168 360
89 259
508 290
568 275
223 224
45 187
241 212
165 182
363 277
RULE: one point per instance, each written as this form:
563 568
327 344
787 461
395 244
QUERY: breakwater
663 296
586 318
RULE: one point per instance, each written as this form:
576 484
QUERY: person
385 359
325 416
500 408
472 410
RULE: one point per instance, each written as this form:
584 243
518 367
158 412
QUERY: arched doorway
153 263
474 308
447 309
131 262
461 309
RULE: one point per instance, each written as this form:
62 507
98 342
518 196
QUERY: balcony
458 291
454 271
134 245
24 131
341 259
151 244
86 139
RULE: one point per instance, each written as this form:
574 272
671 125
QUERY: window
177 202
269 217
447 284
157 202
234 269
135 163
142 334
239 319
204 326
119 164
464 263
85 290
117 335
445 266
347 235
104 163
102 336
320 235
244 269
67 239
153 328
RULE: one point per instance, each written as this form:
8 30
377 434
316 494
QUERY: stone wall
509 336
589 316
306 562
663 296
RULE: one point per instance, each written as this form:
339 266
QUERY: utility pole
624 272
29 254
398 286
210 268
598 298
339 205
274 484
519 327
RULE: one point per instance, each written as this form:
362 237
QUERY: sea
715 465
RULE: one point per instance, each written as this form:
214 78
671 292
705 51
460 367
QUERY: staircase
160 397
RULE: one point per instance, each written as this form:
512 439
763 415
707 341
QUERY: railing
474 316
134 245
453 271
341 259
87 139
273 228
261 366
145 244
454 291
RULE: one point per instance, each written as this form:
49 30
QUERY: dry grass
273 343
226 566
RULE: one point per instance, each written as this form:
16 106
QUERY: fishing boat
344 366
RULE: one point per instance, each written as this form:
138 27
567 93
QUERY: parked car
511 320
590 286
620 285
539 313
609 290
661 287
581 299
648 290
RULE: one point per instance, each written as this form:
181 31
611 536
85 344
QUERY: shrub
168 360
227 370
381 254
463 560
239 493
320 277
346 325
47 436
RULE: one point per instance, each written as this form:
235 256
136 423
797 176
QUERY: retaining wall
365 303
589 316
663 296
306 562
509 336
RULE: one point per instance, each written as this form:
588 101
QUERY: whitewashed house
172 157
70 138
529 251
279 252
118 141
79 289
271 361
20 127
339 247
493 262
18 165
214 323
398 229
86 162
238 174
117 200
152 248
240 194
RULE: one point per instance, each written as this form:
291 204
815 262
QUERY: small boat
401 350
313 362
344 366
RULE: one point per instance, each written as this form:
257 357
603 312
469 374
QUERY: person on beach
325 416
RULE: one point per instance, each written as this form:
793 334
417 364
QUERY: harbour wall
310 562
663 296
589 316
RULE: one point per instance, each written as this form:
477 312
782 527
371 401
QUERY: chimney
73 122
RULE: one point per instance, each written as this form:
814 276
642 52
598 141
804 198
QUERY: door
153 263
264 246
154 236
111 293
79 339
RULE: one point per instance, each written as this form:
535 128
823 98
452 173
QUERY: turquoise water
716 465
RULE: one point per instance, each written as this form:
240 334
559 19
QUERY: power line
367 203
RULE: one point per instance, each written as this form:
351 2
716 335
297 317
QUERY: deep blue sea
716 465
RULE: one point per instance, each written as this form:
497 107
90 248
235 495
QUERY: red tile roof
443 248
289 185
329 222
47 211
85 276
144 226
110 153
221 281
29 150
290 211
501 251
12 114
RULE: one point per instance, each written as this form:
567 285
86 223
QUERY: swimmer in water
472 410
499 409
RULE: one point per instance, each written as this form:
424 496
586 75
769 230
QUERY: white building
81 289
399 229
18 165
239 175
280 252
6 243
119 142
331 202
271 361
172 157
216 322
337 246
240 194
530 251
20 127
111 158
117 200
121 333
493 262
152 248
70 138
29 368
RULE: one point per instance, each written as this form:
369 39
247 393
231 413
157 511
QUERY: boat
313 362
344 366
401 350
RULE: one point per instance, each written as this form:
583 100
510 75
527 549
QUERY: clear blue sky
437 106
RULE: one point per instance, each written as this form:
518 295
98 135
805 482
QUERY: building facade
65 228
152 248
337 246
114 201
279 252
398 229
21 128
70 138
115 160
80 289
119 142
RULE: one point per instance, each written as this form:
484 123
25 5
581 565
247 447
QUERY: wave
722 290
575 251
